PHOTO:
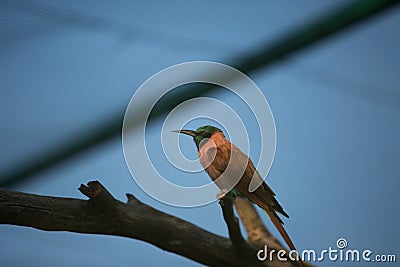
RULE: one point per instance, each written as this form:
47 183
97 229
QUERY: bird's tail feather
279 226
277 222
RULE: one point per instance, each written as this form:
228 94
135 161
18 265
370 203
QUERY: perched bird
220 157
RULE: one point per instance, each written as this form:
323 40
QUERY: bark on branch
243 248
103 214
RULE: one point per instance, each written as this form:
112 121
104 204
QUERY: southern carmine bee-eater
216 153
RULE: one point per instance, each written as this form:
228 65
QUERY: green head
201 133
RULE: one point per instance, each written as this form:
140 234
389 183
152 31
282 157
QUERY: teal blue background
66 65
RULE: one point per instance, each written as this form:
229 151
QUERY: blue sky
67 65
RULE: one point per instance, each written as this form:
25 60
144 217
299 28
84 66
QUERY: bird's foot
222 193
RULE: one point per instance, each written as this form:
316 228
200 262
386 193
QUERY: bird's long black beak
188 132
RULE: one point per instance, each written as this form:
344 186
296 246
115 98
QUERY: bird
220 157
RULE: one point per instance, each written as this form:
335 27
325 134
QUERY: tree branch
258 234
103 214
232 223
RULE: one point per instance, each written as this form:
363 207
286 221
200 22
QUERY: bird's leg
222 193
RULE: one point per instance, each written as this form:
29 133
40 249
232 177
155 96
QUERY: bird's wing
228 166
241 166
263 196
